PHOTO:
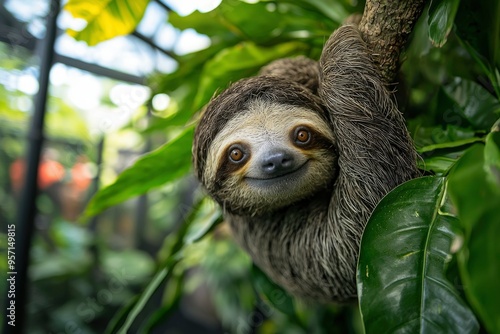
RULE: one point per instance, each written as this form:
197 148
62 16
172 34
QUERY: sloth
298 157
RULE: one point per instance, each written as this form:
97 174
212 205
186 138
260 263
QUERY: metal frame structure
27 206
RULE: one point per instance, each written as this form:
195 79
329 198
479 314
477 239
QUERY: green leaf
480 270
492 158
452 144
132 266
173 257
155 283
261 22
65 121
208 227
441 17
120 316
469 189
439 164
233 19
274 23
405 249
489 70
478 24
253 22
475 103
165 164
476 200
237 62
182 85
331 9
209 23
171 299
273 293
60 266
174 244
478 29
106 19
449 137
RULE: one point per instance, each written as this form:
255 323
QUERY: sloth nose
277 163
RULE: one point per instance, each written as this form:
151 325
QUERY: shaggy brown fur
311 246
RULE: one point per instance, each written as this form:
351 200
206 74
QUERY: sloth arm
375 150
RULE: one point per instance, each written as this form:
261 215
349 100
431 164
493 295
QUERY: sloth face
270 157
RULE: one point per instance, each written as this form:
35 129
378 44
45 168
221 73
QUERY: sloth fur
337 125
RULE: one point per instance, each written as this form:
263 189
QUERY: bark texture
385 27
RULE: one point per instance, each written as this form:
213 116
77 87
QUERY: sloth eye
302 135
236 154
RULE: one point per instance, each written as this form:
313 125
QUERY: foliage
428 258
111 281
105 19
402 284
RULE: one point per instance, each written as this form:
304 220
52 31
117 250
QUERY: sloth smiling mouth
285 177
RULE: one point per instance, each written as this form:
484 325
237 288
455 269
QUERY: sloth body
298 157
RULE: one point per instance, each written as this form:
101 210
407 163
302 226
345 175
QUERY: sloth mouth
286 178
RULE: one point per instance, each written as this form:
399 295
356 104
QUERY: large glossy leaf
475 103
401 271
105 18
441 17
154 169
237 62
477 201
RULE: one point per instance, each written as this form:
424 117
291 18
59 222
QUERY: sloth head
264 144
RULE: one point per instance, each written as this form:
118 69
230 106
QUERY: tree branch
385 27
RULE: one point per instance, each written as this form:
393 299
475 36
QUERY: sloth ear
301 69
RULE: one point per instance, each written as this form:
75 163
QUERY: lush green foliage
402 284
172 159
429 258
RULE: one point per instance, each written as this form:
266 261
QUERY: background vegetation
429 255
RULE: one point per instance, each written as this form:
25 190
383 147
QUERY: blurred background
105 108
123 81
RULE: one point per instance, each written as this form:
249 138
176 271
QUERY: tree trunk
385 26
